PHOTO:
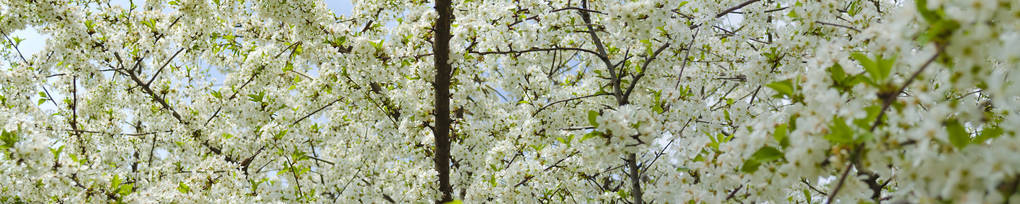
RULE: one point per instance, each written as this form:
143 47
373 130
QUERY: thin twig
663 150
684 64
731 9
838 25
644 68
812 187
314 112
15 48
164 66
534 50
566 100
577 9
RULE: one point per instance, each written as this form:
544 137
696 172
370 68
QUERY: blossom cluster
561 101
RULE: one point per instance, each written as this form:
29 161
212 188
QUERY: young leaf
8 139
115 183
763 155
922 8
591 135
784 87
781 135
183 188
767 154
750 166
126 189
958 135
839 132
869 66
56 152
988 133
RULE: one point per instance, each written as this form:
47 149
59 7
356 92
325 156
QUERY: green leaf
8 138
873 112
622 194
855 8
648 47
297 50
151 24
217 94
288 67
537 147
863 137
591 135
922 8
988 133
807 195
259 98
873 67
183 188
566 140
784 87
592 116
492 180
763 155
657 108
376 45
793 14
115 183
781 135
839 132
750 166
299 156
885 65
280 134
56 152
837 73
958 135
126 189
767 154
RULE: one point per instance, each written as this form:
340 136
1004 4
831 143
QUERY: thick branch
602 54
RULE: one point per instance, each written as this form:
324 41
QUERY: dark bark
635 178
441 50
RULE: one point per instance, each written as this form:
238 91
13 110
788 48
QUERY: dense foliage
665 101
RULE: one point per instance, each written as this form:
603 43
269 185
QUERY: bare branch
534 50
567 100
838 25
164 66
314 112
731 9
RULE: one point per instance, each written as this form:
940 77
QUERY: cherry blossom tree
552 101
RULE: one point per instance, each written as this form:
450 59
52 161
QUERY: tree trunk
441 52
